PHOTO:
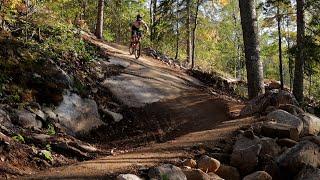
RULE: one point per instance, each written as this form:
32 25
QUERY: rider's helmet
139 17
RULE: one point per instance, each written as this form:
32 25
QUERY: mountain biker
135 27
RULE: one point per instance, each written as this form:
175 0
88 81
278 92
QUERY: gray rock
287 142
311 124
259 175
78 115
270 98
228 172
167 171
278 130
292 109
269 147
245 154
49 113
117 117
27 119
300 155
5 119
128 177
283 117
308 173
196 174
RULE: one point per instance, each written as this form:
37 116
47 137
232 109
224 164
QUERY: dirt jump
170 98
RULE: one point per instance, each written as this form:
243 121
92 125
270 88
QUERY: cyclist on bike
135 27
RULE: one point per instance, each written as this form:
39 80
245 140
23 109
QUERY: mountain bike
135 46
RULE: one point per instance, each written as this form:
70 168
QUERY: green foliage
51 130
48 147
165 177
19 138
47 155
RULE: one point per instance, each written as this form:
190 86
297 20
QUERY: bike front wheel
137 50
131 49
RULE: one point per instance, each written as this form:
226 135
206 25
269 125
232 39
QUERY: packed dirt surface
170 99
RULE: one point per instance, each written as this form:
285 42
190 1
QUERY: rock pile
286 145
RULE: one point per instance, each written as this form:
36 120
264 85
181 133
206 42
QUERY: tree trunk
299 61
189 35
153 11
99 27
194 34
290 64
178 32
251 44
280 46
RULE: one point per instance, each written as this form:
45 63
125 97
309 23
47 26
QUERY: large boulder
305 153
196 174
167 171
308 173
26 119
274 98
292 109
5 120
278 130
258 175
228 172
245 154
311 124
77 115
283 117
269 147
208 164
49 82
128 177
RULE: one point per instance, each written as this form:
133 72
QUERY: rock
314 139
190 163
259 175
311 124
70 151
208 164
270 98
117 117
283 117
84 147
278 130
245 154
300 155
249 134
41 138
222 157
27 119
49 82
287 142
166 171
269 147
292 109
228 172
78 115
214 176
196 174
49 113
308 173
5 119
128 177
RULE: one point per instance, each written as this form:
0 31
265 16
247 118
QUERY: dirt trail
177 100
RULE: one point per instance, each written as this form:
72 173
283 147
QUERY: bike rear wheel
137 50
